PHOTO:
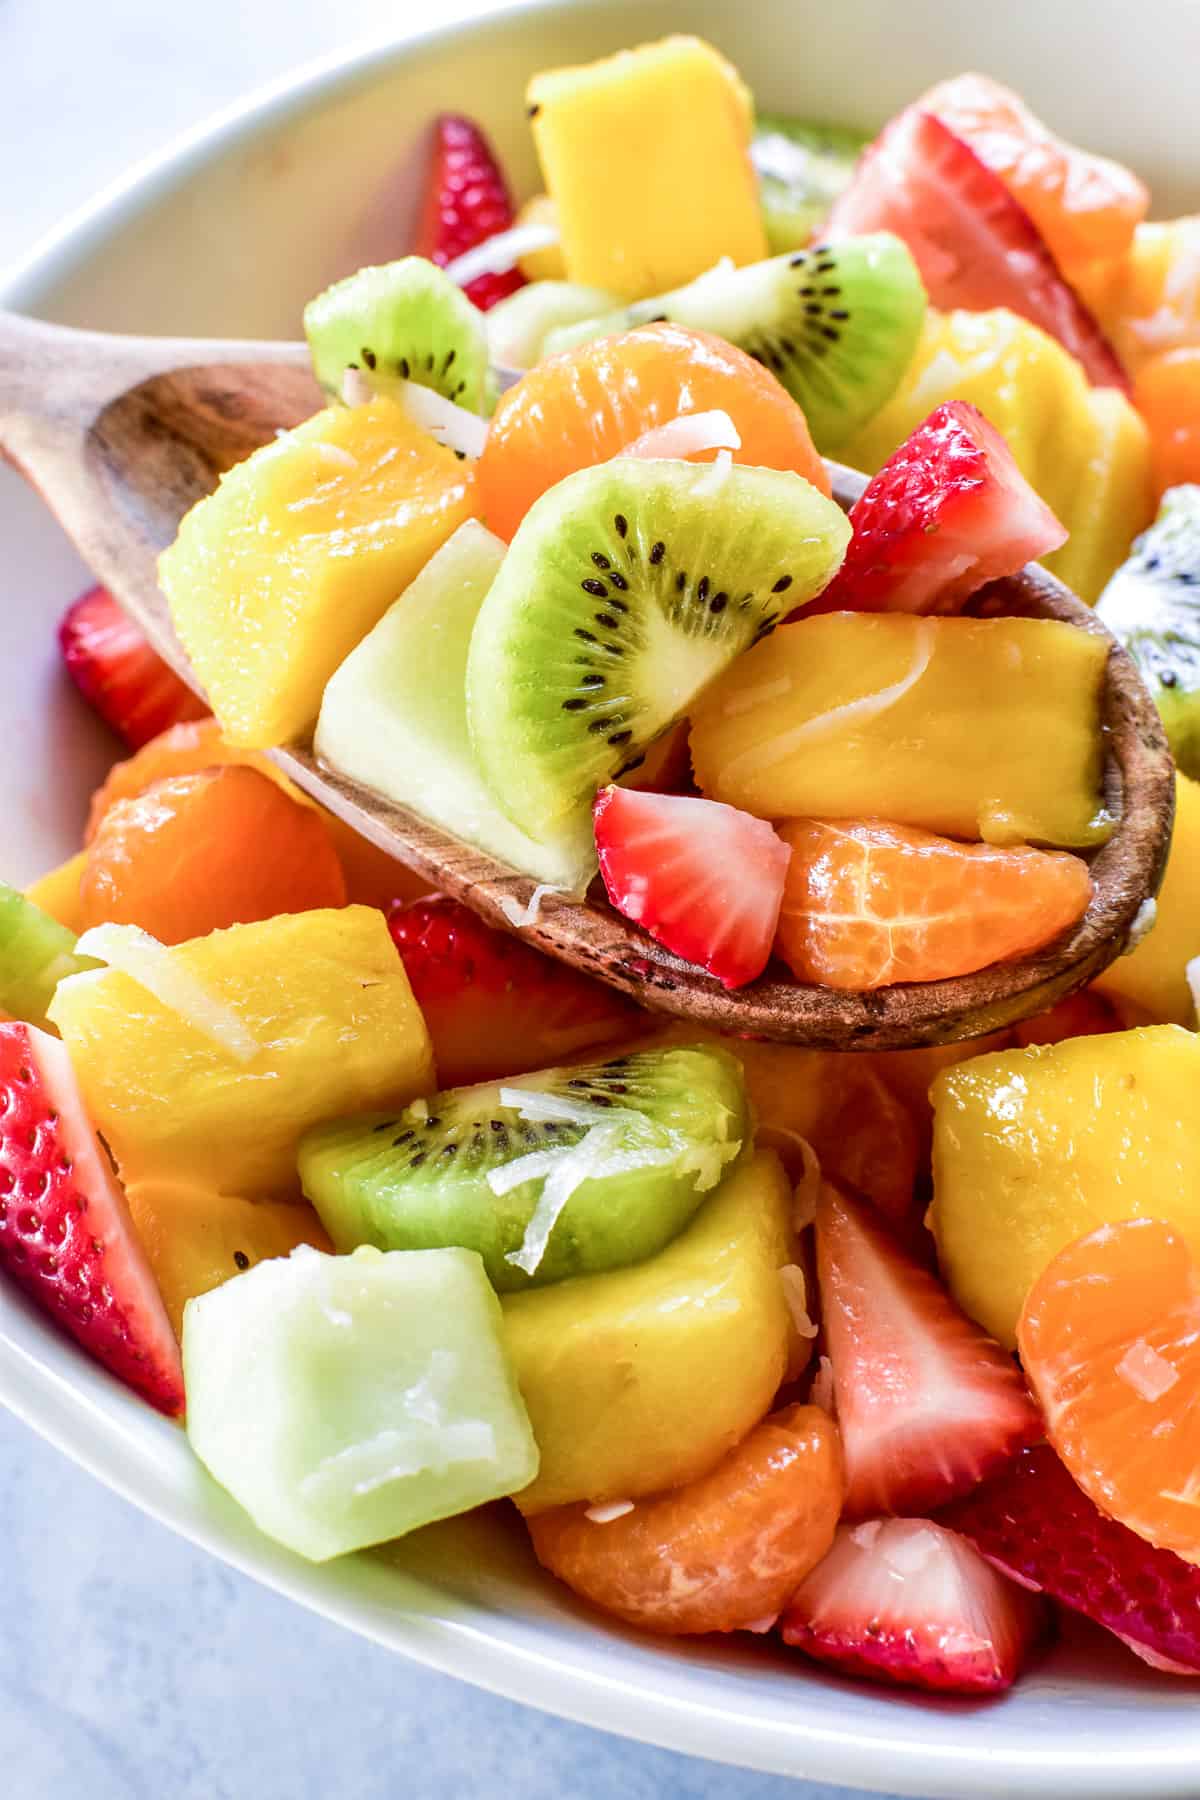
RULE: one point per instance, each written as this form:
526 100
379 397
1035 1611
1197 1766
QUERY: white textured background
131 1666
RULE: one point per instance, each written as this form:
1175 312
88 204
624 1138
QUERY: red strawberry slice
906 1601
949 511
466 201
495 1006
975 245
1036 1525
702 878
927 1403
65 1231
115 668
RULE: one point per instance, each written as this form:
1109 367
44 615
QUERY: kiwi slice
838 324
627 588
36 953
801 171
518 326
401 321
1152 606
567 1172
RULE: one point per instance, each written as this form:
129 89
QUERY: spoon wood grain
122 435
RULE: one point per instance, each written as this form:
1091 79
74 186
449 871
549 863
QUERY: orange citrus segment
196 853
590 403
866 904
1167 394
1110 1340
722 1552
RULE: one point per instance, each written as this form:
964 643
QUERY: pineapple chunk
322 995
276 576
1154 976
646 158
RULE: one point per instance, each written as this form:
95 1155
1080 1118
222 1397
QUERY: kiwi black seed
401 321
419 1179
627 589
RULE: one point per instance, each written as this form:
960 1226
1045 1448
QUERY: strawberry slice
495 1006
906 1601
928 1404
702 878
949 511
65 1231
1036 1525
466 201
974 244
117 671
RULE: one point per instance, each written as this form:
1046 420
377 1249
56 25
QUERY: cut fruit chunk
57 893
113 665
399 322
275 576
546 263
565 1173
801 170
837 324
591 403
466 201
1167 394
1082 1014
518 327
610 1365
394 716
1148 300
928 1406
1153 977
494 1005
36 952
975 245
866 904
1110 1339
722 1553
1033 1523
978 728
948 512
906 1601
627 589
65 1231
322 995
1034 1148
1152 606
674 118
701 878
347 1400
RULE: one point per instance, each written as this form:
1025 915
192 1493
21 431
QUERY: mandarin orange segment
588 404
866 904
1110 1339
721 1553
196 853
1167 394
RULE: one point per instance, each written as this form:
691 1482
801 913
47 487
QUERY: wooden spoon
122 435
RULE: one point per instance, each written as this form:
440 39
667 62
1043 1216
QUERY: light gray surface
133 1667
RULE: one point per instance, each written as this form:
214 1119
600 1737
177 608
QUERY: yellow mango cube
1033 1148
643 1378
646 156
1154 976
278 574
982 728
57 892
329 1025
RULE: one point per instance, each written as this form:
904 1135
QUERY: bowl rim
47 1382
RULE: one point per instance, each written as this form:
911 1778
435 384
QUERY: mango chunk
643 1378
322 995
57 892
981 728
646 157
1154 976
301 549
1033 1148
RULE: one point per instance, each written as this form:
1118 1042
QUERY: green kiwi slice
36 953
1152 606
568 1172
627 588
518 326
801 171
837 325
401 321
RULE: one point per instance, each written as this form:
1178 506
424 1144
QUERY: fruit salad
886 1357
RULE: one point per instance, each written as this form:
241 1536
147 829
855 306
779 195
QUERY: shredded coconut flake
356 389
335 454
501 252
519 915
760 1627
609 1510
1146 1372
822 1393
804 1198
852 714
451 425
687 434
795 1292
536 1105
864 1535
1193 981
907 1553
162 973
716 476
1143 923
598 1152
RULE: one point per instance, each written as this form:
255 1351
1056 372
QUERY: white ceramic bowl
229 233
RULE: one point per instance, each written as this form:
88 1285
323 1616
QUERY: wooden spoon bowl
123 435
